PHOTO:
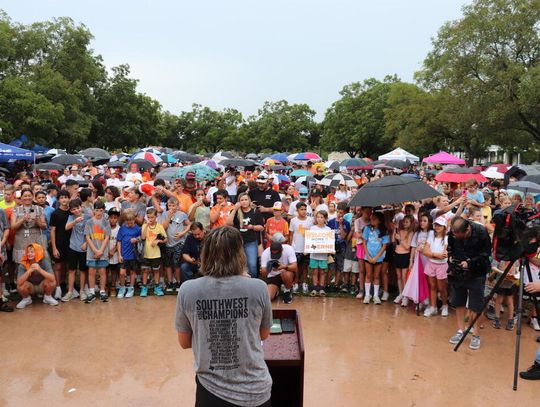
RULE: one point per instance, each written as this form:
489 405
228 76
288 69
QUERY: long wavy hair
222 253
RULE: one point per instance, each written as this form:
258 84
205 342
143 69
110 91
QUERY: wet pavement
125 353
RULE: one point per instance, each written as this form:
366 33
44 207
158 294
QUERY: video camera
517 232
456 272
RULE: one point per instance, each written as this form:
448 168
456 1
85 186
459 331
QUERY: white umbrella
333 180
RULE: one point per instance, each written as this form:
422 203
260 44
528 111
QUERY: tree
355 123
125 118
280 126
491 57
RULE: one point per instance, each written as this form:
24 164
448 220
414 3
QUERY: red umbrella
460 175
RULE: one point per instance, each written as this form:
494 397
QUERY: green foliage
356 123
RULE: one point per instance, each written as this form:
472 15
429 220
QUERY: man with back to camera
278 266
469 249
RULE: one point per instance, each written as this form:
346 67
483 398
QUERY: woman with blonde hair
224 316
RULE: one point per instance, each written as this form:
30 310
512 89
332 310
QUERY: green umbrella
202 172
300 173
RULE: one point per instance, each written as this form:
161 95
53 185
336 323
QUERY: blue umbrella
300 173
202 172
169 159
280 157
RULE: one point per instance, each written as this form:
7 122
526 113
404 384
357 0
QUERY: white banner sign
323 241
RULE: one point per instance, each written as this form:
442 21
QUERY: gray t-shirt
4 224
36 278
225 316
138 207
98 230
176 225
77 238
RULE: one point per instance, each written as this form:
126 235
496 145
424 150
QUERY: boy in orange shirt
276 224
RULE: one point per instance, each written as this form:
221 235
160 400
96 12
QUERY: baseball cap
278 206
303 192
262 178
276 249
278 237
441 220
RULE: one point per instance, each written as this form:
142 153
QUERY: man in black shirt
469 248
60 237
191 252
264 196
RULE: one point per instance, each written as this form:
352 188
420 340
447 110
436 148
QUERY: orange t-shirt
223 214
274 226
184 201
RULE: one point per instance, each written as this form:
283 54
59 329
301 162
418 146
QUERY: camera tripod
524 266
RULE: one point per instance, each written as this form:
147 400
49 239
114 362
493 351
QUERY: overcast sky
240 53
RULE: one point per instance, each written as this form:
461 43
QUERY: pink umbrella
307 156
443 158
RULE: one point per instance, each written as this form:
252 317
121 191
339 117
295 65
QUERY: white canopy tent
399 154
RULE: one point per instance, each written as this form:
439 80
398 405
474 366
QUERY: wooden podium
284 355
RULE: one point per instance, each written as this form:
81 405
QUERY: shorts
471 289
114 267
389 254
77 260
97 264
172 255
275 280
438 270
351 265
37 289
402 260
131 265
339 259
153 264
302 259
318 264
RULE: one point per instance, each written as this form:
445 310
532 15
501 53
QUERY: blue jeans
188 271
252 253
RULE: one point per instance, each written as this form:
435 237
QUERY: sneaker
398 299
305 288
287 297
177 286
144 291
75 293
367 299
534 324
532 373
510 324
344 289
158 291
121 292
90 298
130 292
376 300
430 311
83 295
352 290
313 292
47 299
170 287
24 302
360 295
405 302
57 293
444 311
112 292
496 323
385 296
295 288
475 342
68 297
322 293
454 340
103 296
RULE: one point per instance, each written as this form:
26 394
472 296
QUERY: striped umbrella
145 155
333 180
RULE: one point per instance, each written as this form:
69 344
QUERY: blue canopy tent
8 152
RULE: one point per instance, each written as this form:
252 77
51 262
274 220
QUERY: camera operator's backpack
516 232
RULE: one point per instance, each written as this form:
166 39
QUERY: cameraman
469 248
533 373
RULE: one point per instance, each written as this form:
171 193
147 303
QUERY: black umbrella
49 166
398 163
166 150
525 186
96 153
186 157
531 178
143 165
237 162
42 158
391 190
515 172
252 156
116 164
67 159
335 165
168 173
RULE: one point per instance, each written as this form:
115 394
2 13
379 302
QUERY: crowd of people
97 232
